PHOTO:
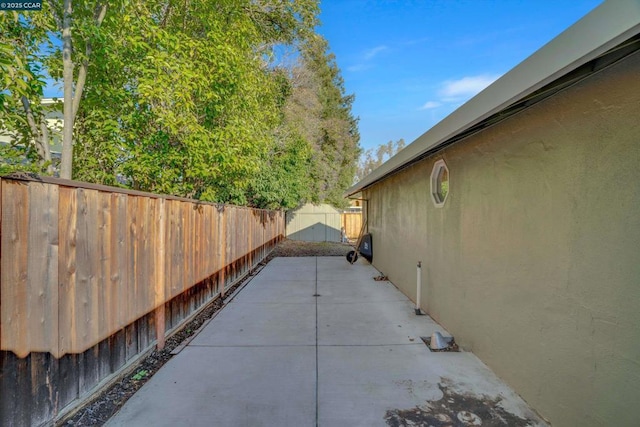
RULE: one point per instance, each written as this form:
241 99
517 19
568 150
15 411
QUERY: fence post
223 241
160 277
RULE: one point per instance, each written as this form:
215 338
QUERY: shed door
318 227
314 227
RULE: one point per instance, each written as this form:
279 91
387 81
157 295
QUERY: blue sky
411 63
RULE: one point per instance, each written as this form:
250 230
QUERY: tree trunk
67 74
46 149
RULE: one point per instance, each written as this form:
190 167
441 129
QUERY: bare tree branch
30 118
45 145
55 13
40 136
165 15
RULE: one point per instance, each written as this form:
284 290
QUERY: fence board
44 371
1 268
177 262
106 317
120 256
14 273
223 251
207 253
352 223
67 220
87 298
201 246
86 263
42 268
68 380
187 212
144 299
16 378
132 253
159 285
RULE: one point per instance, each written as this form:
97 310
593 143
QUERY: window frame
435 174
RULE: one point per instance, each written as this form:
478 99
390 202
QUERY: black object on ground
366 247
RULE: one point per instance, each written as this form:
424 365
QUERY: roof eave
599 31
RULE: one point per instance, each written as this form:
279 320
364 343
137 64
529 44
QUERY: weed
140 375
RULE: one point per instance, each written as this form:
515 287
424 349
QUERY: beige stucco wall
534 261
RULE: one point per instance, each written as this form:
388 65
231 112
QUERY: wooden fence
352 223
92 276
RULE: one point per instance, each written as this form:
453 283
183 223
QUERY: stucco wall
534 261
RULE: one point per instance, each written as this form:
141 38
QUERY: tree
320 111
86 23
372 159
22 78
44 45
188 98
197 116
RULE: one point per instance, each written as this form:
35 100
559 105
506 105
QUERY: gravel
98 411
292 248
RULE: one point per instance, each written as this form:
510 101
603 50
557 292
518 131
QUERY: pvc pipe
418 287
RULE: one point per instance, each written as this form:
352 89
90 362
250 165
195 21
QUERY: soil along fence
91 277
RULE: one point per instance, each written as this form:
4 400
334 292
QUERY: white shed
314 223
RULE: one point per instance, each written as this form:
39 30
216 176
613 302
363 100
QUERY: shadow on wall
317 232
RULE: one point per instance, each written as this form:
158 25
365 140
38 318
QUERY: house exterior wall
533 263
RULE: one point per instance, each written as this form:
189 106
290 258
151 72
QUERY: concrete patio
316 341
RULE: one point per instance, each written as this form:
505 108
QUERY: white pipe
418 287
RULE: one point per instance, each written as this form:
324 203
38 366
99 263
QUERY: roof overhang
605 35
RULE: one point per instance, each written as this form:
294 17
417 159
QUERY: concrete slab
340 282
375 323
289 269
390 385
358 385
337 268
293 262
267 291
349 292
273 324
263 386
277 355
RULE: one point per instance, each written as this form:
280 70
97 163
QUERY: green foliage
22 79
142 373
19 159
320 110
283 181
372 159
186 99
197 117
